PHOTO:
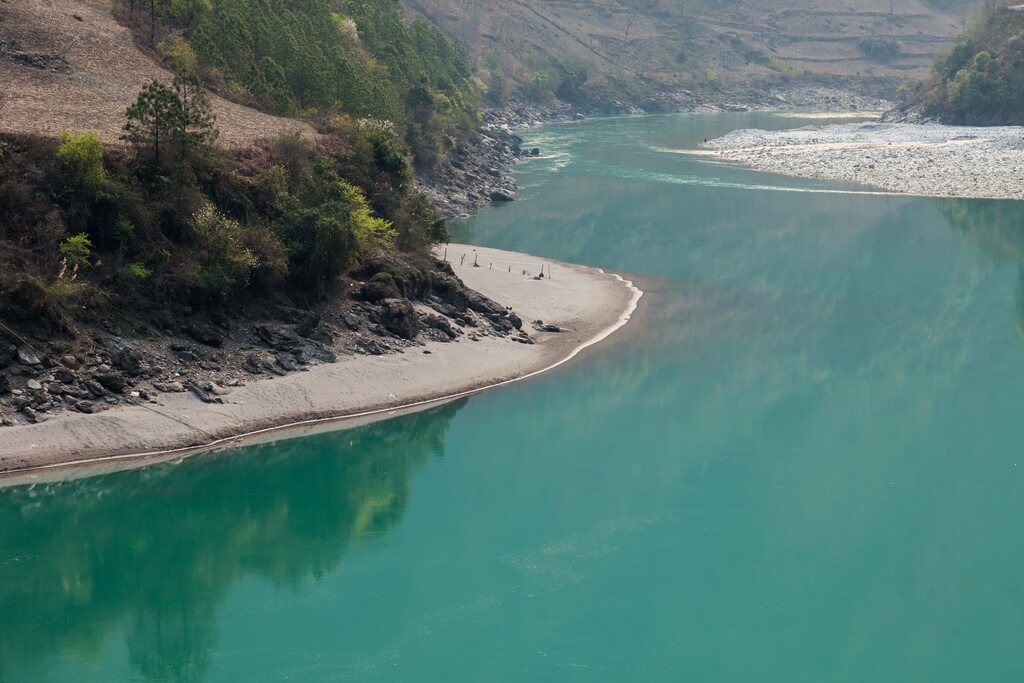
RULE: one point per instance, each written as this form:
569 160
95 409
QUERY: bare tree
630 20
644 55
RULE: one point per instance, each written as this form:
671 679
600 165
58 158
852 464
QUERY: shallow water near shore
801 462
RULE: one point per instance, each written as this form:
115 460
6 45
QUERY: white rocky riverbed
918 159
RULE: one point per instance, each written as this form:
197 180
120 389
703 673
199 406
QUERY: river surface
802 461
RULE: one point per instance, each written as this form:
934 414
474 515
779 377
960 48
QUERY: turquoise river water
802 461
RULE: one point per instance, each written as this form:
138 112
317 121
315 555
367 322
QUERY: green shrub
269 256
331 228
77 250
82 158
879 49
124 229
181 55
139 271
420 226
223 262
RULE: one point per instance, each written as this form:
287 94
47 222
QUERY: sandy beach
587 303
917 159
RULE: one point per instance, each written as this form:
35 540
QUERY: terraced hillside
720 44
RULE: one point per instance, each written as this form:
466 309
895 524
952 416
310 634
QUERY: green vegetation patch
310 58
171 219
981 81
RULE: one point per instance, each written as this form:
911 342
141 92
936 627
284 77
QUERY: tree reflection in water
997 228
153 551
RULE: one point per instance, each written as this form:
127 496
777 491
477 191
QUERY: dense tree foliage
173 219
312 57
981 81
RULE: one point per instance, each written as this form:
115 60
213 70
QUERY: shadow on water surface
154 551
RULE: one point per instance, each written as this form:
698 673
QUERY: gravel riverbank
916 159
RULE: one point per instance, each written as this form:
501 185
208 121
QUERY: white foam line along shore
589 303
927 160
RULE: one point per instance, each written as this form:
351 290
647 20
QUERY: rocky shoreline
137 359
465 343
481 173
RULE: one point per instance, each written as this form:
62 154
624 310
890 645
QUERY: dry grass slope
68 64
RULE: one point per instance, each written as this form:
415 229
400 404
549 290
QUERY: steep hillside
319 58
126 219
625 49
981 81
68 64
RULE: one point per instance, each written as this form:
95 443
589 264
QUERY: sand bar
928 160
589 303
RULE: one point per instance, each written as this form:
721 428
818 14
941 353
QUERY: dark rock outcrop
399 317
111 380
208 334
280 337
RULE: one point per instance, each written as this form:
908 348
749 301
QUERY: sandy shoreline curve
927 160
587 303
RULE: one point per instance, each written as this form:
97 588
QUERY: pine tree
196 130
153 120
163 115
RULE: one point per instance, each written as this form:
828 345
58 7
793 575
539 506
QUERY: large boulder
65 375
380 287
399 317
481 304
28 357
407 278
279 337
111 380
132 361
438 323
206 333
502 196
